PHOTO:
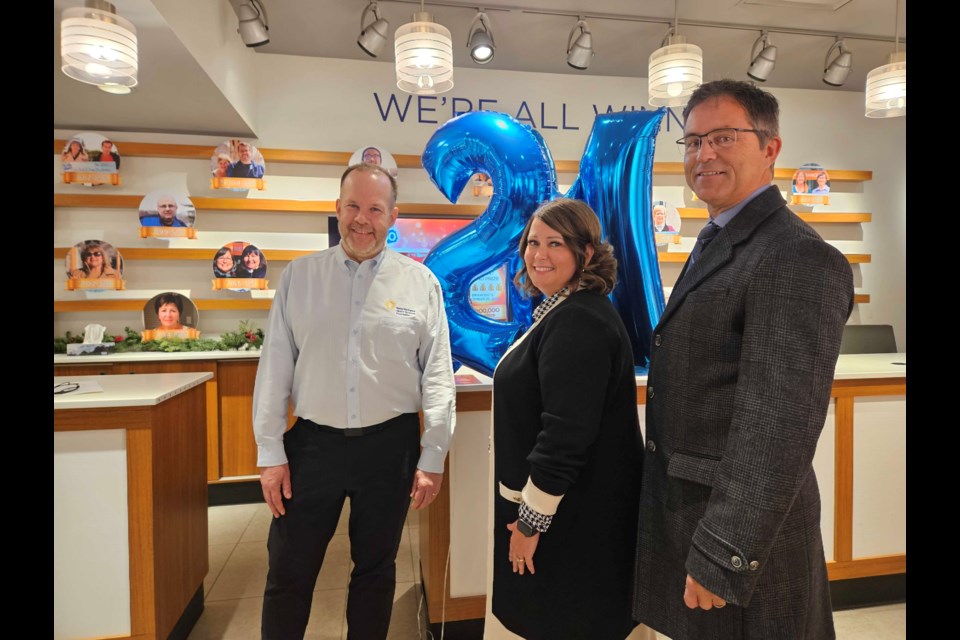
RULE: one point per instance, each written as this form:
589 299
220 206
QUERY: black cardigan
565 415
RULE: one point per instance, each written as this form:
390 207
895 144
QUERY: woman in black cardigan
566 439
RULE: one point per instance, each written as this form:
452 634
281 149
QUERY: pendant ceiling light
886 95
424 54
675 69
99 47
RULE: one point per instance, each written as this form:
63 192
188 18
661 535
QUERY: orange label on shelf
806 198
237 183
90 177
168 232
74 284
240 283
154 334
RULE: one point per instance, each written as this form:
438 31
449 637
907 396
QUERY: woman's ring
720 606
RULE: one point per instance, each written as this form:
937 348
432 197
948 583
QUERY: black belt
356 431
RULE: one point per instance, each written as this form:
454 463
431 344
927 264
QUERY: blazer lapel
720 250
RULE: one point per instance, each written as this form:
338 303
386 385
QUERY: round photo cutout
239 266
90 158
167 214
375 155
94 265
238 165
810 185
170 315
666 223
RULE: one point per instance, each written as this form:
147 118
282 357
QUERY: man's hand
522 549
425 488
273 480
696 595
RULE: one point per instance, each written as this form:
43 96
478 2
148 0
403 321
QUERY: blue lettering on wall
543 118
421 108
528 118
481 105
564 119
392 104
456 110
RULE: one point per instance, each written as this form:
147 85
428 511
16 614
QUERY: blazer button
736 562
649 392
651 446
657 340
754 565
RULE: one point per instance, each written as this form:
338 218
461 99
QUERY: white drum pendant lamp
424 54
675 72
99 47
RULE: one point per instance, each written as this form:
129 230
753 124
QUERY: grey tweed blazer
741 368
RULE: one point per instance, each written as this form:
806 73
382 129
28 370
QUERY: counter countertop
141 390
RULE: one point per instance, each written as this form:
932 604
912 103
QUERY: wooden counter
130 506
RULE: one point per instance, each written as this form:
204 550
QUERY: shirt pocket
397 340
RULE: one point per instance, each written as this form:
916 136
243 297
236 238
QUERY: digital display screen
415 237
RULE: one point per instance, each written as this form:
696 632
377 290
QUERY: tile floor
238 570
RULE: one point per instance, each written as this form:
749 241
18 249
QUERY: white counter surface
141 390
156 356
852 366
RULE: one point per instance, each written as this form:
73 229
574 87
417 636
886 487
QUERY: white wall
331 105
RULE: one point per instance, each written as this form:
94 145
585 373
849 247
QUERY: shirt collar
723 218
352 265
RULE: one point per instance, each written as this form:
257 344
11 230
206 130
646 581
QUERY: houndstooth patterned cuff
538 521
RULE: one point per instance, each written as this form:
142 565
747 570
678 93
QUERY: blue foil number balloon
522 171
615 180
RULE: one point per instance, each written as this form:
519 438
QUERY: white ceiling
175 94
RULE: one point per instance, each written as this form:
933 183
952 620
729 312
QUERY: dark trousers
375 471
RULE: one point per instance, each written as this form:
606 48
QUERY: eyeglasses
65 387
723 138
96 254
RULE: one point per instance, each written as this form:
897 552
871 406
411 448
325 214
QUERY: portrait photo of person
93 259
224 264
221 163
823 183
169 311
252 264
108 153
75 151
166 209
661 212
800 182
249 162
375 155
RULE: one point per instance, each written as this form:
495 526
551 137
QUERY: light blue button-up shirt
353 345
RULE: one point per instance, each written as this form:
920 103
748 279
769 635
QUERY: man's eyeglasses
96 254
65 387
723 138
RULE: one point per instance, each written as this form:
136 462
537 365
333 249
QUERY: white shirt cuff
538 500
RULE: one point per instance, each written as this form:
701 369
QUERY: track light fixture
580 51
253 22
835 72
99 47
886 95
480 39
374 35
424 54
763 57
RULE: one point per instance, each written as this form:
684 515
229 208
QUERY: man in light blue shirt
358 341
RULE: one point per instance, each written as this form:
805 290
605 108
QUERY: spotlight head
835 72
763 58
373 36
253 22
480 41
580 51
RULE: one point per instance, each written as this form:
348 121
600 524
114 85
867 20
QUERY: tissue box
74 349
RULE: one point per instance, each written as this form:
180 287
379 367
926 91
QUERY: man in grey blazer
741 368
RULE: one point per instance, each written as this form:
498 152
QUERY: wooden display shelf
403 160
108 201
688 213
131 304
681 257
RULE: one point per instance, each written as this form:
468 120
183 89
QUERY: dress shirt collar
352 265
723 218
